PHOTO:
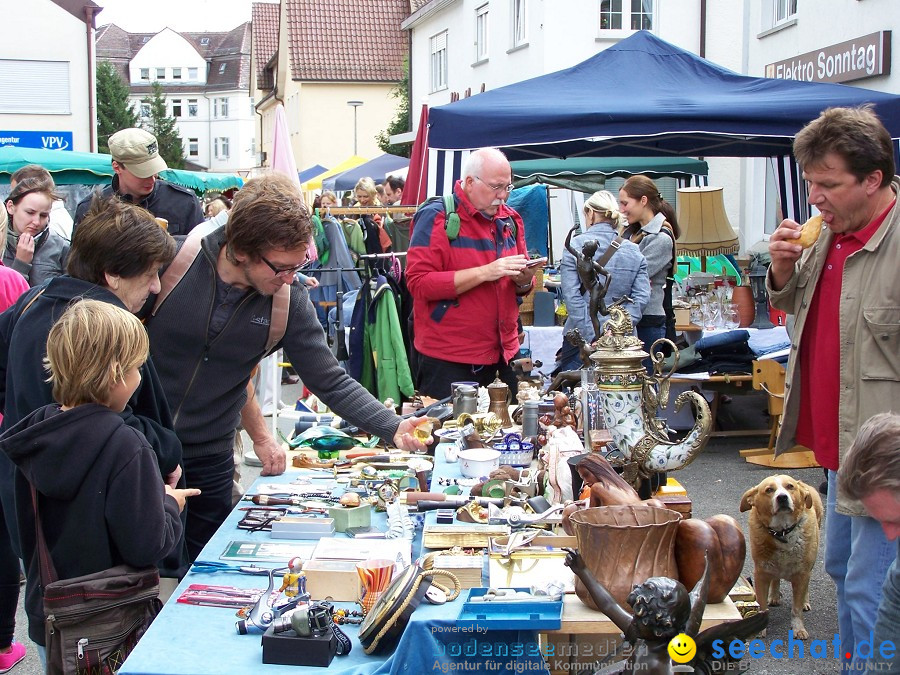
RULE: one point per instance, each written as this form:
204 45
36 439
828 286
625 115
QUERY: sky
135 16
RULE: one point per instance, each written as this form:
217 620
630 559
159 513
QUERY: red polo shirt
820 350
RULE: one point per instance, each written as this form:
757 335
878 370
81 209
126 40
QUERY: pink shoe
9 659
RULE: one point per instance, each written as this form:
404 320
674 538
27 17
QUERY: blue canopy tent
311 172
694 108
377 169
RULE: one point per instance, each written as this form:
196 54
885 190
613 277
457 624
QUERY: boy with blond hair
85 463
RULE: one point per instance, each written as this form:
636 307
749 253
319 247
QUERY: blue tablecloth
194 640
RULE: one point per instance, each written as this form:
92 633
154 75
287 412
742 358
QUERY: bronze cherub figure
663 608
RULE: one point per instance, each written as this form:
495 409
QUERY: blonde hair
328 194
367 185
89 350
604 203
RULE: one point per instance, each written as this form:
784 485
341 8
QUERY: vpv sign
856 59
45 140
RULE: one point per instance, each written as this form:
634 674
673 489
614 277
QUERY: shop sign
45 140
855 59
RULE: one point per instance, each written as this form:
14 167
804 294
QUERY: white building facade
204 77
463 47
47 76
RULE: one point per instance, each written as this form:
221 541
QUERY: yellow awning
315 183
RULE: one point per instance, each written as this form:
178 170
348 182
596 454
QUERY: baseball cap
138 151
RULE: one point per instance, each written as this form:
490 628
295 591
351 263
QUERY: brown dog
785 517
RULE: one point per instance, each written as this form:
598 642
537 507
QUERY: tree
163 127
401 122
114 112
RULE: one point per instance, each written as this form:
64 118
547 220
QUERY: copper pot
623 546
742 296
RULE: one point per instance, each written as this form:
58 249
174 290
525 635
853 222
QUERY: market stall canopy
694 108
67 168
315 183
377 169
589 174
202 182
311 172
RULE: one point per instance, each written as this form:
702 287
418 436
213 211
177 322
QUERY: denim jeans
857 557
648 335
887 625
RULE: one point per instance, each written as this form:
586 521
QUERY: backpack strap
281 305
451 222
611 250
182 263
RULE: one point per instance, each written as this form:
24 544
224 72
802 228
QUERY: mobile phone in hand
536 262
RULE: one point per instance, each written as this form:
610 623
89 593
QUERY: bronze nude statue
662 608
589 273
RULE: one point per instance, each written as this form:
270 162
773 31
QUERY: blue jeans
857 557
648 335
887 625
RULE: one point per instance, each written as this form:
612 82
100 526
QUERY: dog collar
781 535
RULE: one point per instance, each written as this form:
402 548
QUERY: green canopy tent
202 182
589 174
67 168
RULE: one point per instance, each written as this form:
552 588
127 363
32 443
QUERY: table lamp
705 229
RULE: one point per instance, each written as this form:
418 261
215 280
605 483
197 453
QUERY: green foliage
163 127
401 122
113 109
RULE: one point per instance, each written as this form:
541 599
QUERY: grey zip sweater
205 380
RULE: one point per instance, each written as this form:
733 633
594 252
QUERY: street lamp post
354 105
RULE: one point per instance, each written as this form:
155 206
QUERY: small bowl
477 462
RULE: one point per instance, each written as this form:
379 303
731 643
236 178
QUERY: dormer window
222 68
204 42
146 39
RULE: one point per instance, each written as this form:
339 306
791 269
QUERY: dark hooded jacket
101 498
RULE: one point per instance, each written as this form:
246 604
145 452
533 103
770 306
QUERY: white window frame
179 111
193 107
204 42
222 68
193 74
145 109
439 61
518 23
145 74
193 147
160 73
223 107
222 147
37 87
482 31
176 73
783 11
624 9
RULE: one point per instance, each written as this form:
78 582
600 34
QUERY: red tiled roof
416 5
265 19
347 40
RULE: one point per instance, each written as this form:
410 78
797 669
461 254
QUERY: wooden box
466 568
335 578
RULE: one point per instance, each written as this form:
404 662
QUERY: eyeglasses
495 188
285 271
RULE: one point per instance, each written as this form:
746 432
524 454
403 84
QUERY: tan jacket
869 334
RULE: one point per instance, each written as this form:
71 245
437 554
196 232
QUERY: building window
176 107
252 106
41 88
176 73
192 107
145 73
519 32
145 109
629 14
439 62
222 68
204 42
193 147
481 33
160 73
785 10
223 107
221 147
192 74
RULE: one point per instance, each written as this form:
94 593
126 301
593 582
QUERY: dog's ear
748 499
805 490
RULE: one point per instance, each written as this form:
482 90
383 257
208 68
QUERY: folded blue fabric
769 340
721 339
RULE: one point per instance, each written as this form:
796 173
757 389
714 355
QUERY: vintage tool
517 518
268 607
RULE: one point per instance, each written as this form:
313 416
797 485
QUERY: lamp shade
705 229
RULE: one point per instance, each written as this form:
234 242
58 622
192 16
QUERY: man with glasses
211 330
136 162
465 280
